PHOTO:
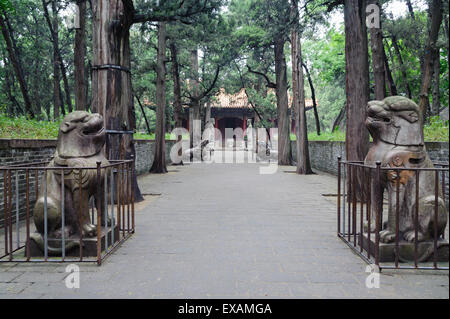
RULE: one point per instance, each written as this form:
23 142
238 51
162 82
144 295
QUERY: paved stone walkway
225 231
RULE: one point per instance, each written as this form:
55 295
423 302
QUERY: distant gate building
234 110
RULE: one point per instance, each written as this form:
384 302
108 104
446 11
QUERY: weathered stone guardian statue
80 142
395 125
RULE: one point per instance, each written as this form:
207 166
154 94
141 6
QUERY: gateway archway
230 123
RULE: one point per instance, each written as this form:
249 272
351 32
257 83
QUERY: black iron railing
23 184
359 221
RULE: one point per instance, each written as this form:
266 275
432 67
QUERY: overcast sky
398 8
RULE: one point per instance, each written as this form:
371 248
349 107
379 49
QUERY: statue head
81 134
395 120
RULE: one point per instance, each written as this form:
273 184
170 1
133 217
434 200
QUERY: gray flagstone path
226 231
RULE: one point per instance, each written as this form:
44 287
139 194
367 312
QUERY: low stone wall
15 152
145 152
324 154
19 152
438 151
25 151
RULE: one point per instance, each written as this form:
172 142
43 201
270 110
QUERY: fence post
379 198
436 204
132 192
99 213
27 195
63 215
416 221
5 208
80 185
339 197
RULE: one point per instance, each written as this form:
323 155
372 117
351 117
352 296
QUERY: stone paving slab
225 231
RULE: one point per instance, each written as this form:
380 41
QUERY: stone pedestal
89 244
425 250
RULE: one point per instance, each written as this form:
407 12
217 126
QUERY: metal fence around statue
408 226
89 223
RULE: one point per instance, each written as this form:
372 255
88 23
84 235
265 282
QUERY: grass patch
142 136
327 136
436 130
337 136
169 136
431 134
21 127
439 134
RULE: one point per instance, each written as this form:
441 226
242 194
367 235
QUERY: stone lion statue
80 141
395 126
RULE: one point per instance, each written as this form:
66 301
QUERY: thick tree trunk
388 74
65 82
53 27
298 99
14 57
402 65
79 56
284 145
295 107
57 102
36 81
159 162
376 44
410 9
55 35
87 76
436 94
176 86
337 122
36 90
313 97
257 119
111 79
430 53
422 57
147 125
448 41
14 106
356 84
61 99
177 108
194 115
301 115
208 111
60 60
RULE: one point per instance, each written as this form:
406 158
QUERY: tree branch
250 101
213 84
179 15
270 84
206 92
332 4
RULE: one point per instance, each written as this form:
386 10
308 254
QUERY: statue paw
58 233
89 230
108 221
387 236
410 236
372 227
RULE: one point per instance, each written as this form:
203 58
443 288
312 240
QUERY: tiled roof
239 100
225 100
148 103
